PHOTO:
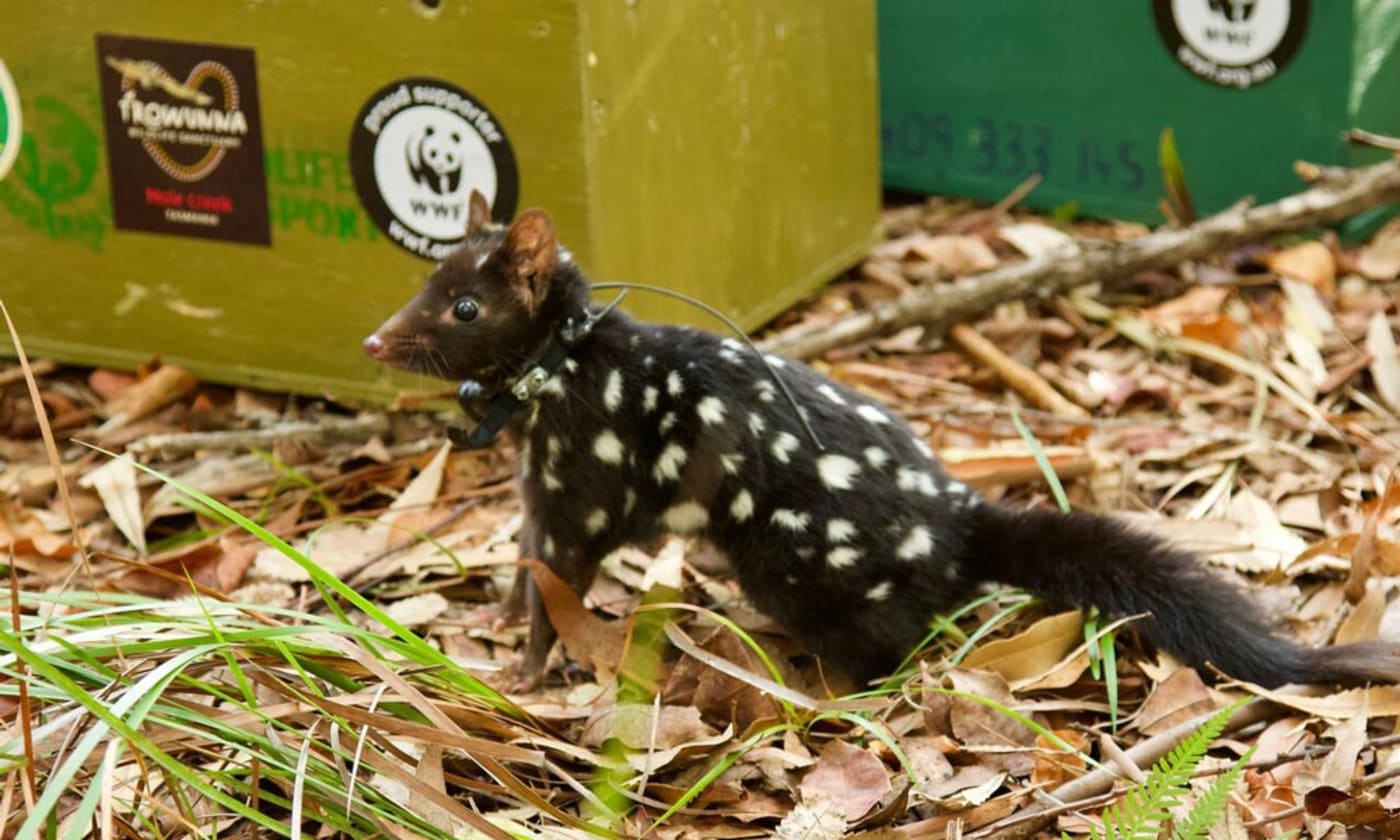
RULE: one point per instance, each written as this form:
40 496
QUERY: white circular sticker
418 149
426 164
1235 33
1232 43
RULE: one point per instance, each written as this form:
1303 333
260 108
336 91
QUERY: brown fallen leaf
1310 262
1380 260
586 637
109 384
1054 766
1368 552
1222 331
217 564
956 254
720 698
1385 360
1196 304
653 736
166 385
977 723
1179 698
1363 624
848 776
1034 651
115 483
1352 810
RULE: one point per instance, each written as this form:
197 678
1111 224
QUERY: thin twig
939 306
1020 378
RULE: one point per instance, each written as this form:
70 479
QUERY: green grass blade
1043 463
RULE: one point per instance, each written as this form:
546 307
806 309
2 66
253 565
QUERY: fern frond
1144 812
1207 810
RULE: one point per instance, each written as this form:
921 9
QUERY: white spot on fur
686 517
629 501
767 392
918 543
836 471
597 520
756 423
831 393
553 386
648 361
923 447
649 395
912 479
608 448
792 520
842 557
668 421
742 507
551 481
669 463
674 385
806 552
731 462
711 410
570 365
876 457
840 530
775 361
548 549
879 591
553 447
784 445
612 392
873 414
733 344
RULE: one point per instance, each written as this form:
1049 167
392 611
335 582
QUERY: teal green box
975 97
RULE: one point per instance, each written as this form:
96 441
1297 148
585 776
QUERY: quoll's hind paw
519 680
493 616
505 616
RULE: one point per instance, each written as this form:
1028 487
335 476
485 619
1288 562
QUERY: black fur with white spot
854 547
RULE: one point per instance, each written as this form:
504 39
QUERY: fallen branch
1087 789
323 431
938 307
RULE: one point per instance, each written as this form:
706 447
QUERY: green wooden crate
248 188
977 96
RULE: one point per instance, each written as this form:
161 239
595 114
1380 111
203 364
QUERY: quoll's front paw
519 682
497 617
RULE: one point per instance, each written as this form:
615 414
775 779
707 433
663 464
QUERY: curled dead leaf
849 776
1310 262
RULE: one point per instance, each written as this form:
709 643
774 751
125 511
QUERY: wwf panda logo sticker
1232 43
417 150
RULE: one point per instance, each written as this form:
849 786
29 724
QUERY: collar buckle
504 406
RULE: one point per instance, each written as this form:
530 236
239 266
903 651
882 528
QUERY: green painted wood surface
722 150
976 97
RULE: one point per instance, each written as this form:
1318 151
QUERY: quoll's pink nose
375 346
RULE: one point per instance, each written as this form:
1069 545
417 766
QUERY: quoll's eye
466 309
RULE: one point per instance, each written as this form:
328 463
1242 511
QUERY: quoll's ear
478 214
529 255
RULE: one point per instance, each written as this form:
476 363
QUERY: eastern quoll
635 430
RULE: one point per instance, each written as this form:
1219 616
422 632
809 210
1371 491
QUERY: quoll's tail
1080 559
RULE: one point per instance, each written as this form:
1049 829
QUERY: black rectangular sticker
184 138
